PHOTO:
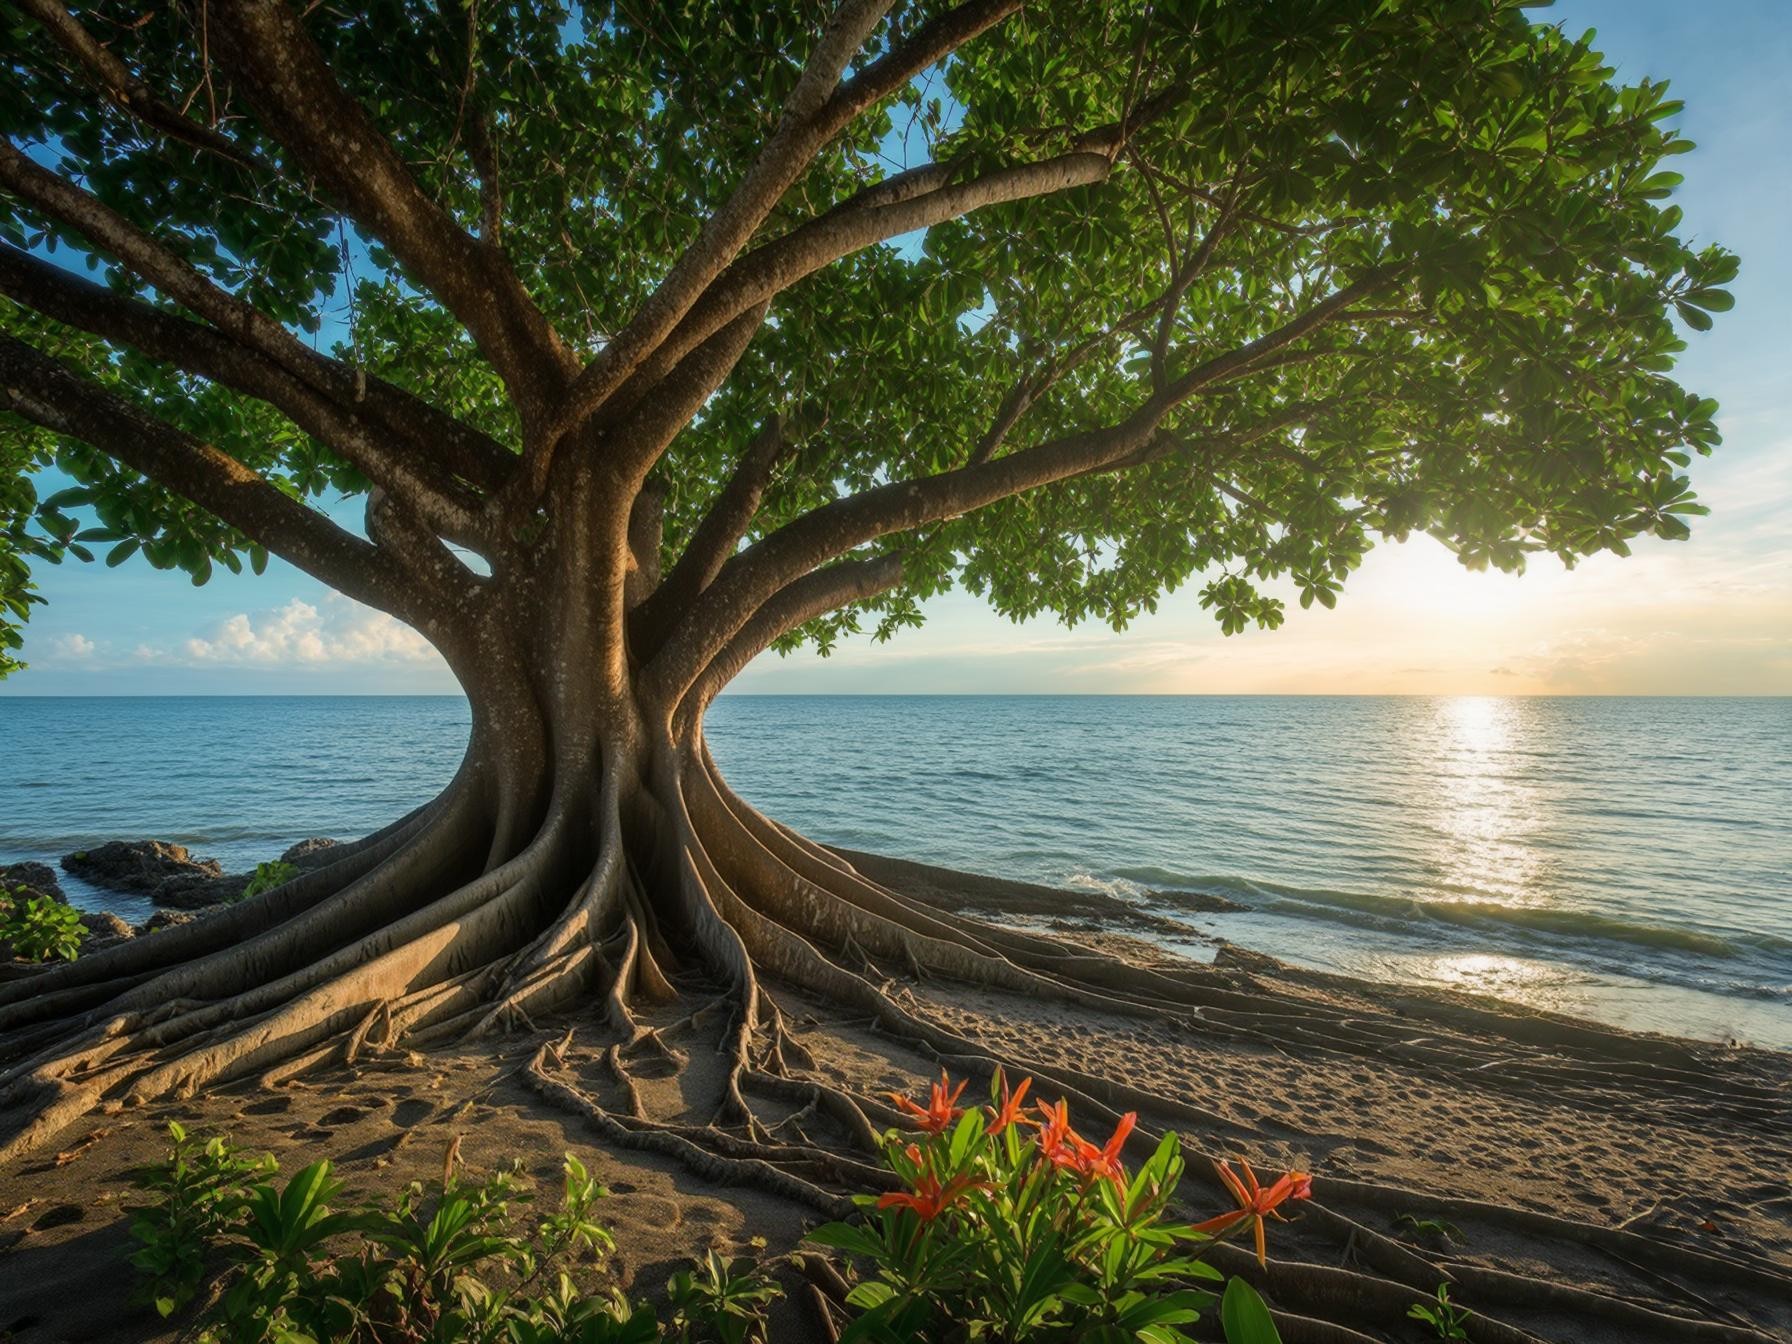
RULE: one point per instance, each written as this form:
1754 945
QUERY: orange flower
1064 1148
1057 1140
929 1198
1255 1202
1105 1161
939 1113
1009 1112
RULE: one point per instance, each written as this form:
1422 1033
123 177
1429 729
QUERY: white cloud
341 632
72 647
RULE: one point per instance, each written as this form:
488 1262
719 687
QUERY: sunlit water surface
1629 859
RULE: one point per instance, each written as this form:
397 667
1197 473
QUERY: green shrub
1446 1319
1010 1225
38 928
450 1263
198 1191
722 1300
267 876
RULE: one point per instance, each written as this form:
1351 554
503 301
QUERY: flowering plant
1009 1225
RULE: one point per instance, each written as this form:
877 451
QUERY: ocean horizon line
956 695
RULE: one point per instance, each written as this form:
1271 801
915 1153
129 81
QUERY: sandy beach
1598 1185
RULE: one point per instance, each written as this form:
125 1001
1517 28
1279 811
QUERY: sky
1709 616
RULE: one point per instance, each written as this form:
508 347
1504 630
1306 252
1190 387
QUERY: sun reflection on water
1487 813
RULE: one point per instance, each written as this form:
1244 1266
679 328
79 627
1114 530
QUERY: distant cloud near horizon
342 632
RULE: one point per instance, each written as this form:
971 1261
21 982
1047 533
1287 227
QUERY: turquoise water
1629 859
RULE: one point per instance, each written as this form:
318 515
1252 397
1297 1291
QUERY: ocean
1628 860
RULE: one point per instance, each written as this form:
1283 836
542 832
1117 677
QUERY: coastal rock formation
164 872
104 929
312 853
38 879
1198 902
171 919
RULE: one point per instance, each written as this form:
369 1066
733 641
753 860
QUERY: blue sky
1709 616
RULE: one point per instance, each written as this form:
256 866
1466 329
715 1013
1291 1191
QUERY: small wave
1399 912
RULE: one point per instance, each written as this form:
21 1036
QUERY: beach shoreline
1465 1104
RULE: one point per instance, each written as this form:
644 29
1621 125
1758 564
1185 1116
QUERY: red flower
1255 1202
1009 1112
939 1113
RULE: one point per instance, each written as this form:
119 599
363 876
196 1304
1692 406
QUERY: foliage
722 1300
267 876
38 928
1433 1229
1010 1225
1503 384
448 1264
1445 1317
198 1191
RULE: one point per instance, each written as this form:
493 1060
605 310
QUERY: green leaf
1244 1316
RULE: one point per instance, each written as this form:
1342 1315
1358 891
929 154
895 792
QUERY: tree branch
834 529
859 223
46 392
301 103
798 602
361 419
817 110
113 78
475 457
717 535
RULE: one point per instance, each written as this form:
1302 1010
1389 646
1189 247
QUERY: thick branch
47 393
832 530
472 454
366 435
818 109
716 537
114 79
795 604
862 222
679 396
282 72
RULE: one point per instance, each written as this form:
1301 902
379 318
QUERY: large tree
658 335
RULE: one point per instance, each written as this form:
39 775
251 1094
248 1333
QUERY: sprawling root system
659 894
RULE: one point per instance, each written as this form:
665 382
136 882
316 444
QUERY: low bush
39 928
267 876
453 1263
1011 1226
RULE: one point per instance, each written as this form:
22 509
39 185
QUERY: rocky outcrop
104 929
169 919
164 872
38 879
312 853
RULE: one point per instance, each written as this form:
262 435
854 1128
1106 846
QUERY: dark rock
104 924
38 879
164 872
1198 902
168 919
200 893
312 853
140 866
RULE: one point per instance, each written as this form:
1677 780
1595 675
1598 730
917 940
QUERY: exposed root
463 921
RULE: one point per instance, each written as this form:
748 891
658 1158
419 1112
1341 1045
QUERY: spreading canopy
1069 304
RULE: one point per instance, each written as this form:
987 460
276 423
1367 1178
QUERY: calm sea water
1627 859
